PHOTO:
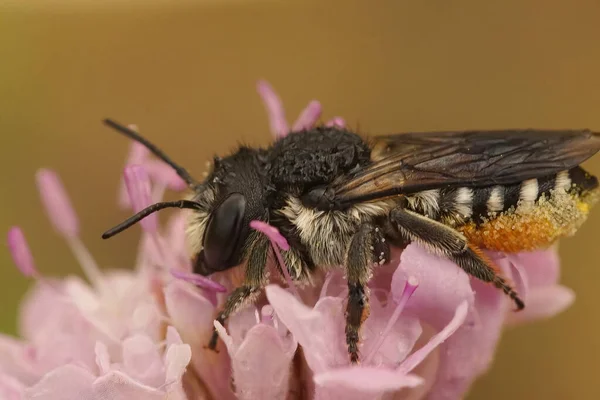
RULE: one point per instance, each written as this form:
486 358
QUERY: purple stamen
308 117
409 288
57 203
277 242
198 280
274 106
336 122
21 255
63 218
139 190
163 174
138 154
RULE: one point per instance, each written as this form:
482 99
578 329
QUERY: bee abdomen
490 201
480 204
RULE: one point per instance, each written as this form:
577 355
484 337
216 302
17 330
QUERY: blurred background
185 72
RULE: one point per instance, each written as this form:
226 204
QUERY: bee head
223 205
231 197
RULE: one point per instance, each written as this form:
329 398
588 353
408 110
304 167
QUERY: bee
341 199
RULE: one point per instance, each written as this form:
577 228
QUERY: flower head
142 333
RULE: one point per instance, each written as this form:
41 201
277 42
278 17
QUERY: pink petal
542 267
20 253
193 315
469 351
367 379
142 361
11 388
102 358
409 289
42 304
544 302
394 336
68 382
320 331
57 203
240 323
16 360
275 110
418 356
308 117
442 285
139 190
118 386
177 358
262 364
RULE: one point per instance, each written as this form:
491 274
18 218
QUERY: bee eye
223 232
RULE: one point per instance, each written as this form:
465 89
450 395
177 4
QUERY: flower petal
320 331
11 388
178 357
542 267
371 380
543 302
443 286
192 315
118 386
142 361
68 382
262 364
468 352
418 356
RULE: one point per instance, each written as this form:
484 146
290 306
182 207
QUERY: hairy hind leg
453 245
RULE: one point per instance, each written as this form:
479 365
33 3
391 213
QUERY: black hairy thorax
315 157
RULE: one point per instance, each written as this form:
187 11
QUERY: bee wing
411 162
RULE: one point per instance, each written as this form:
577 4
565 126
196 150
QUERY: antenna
182 172
129 222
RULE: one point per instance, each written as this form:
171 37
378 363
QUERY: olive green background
185 72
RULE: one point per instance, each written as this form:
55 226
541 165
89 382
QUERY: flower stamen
277 242
275 111
198 280
409 288
308 117
20 253
338 122
64 219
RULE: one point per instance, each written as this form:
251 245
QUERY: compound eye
223 232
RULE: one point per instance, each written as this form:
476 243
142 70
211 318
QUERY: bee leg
366 246
253 284
453 245
476 264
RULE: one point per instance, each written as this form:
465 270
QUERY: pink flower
141 333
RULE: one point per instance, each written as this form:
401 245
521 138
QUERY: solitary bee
343 200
